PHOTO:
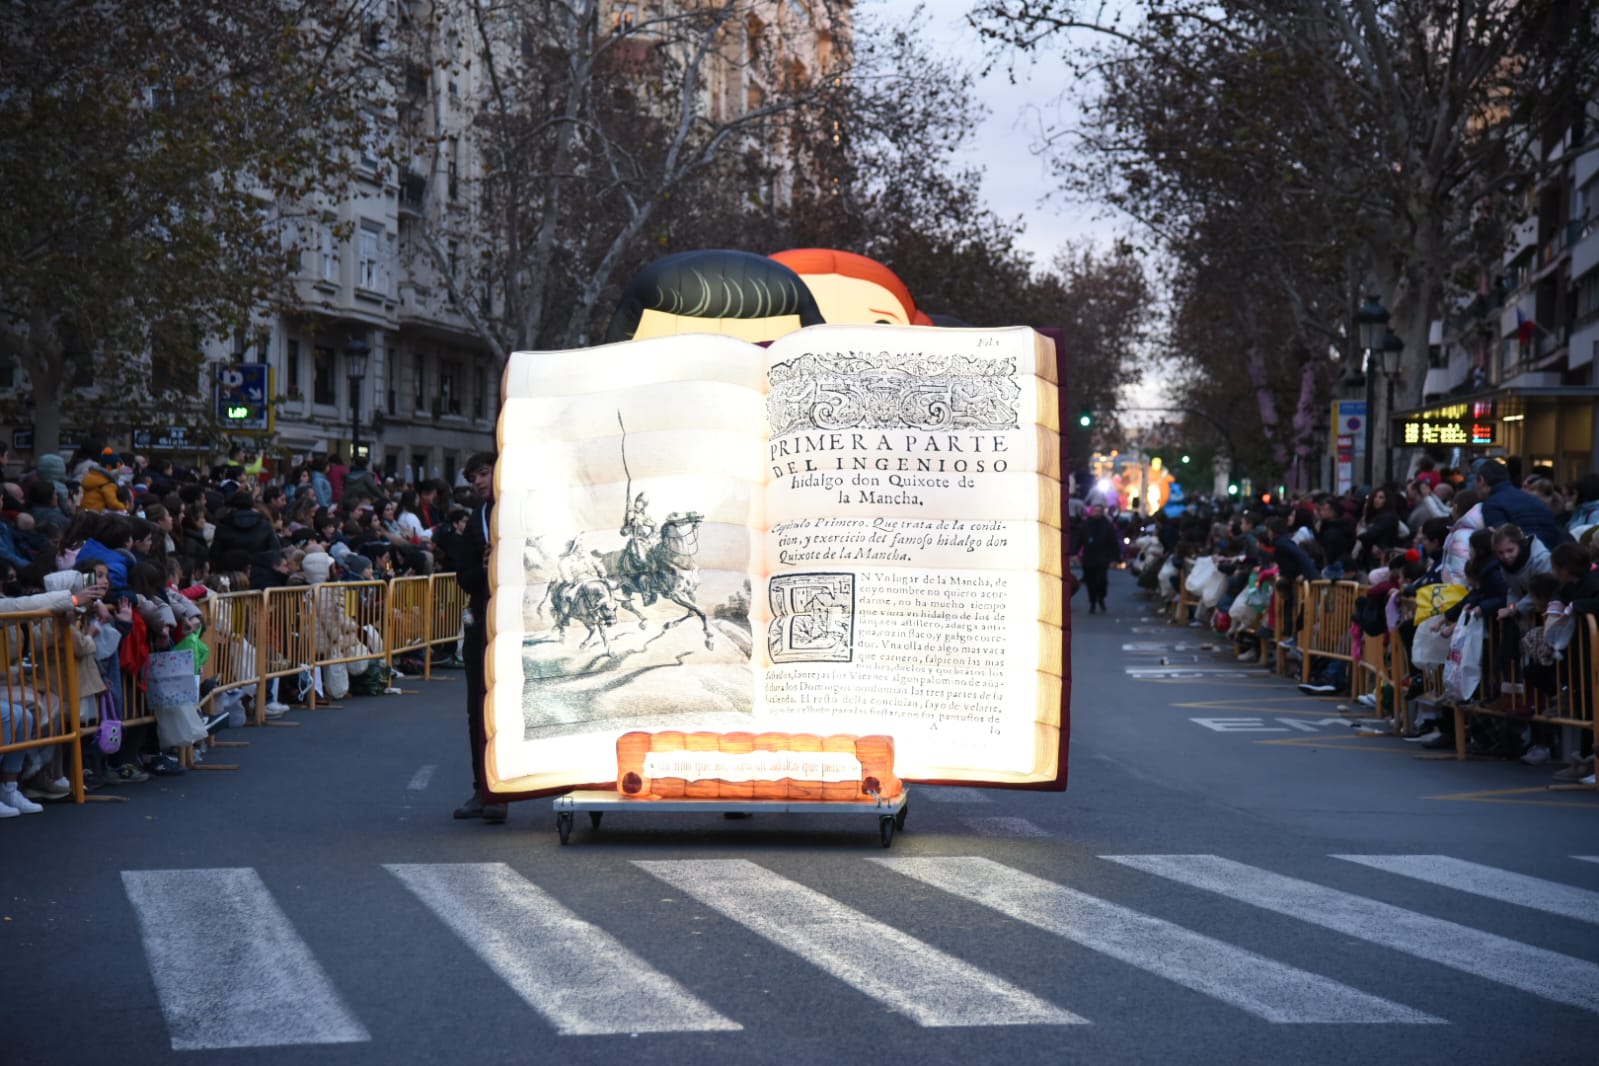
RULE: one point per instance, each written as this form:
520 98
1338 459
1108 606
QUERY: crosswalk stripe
1004 827
929 986
579 977
1494 958
228 967
1263 987
1550 897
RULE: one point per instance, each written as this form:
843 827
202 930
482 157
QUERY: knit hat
317 566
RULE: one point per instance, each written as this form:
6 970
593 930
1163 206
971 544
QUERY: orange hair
803 261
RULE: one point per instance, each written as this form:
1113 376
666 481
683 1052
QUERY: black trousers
472 647
1096 577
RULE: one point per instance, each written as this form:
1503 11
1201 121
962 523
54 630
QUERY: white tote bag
1431 647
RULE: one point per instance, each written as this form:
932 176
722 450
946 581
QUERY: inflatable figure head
852 288
740 294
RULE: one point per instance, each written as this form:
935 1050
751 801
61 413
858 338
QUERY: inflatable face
852 288
740 294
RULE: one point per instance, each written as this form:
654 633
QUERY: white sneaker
1589 780
1536 755
1369 699
276 709
1425 738
11 796
8 812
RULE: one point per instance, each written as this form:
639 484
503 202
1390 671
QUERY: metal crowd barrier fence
1329 615
39 697
252 638
348 621
447 615
409 616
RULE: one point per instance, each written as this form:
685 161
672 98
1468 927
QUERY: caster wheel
885 829
899 817
594 818
563 825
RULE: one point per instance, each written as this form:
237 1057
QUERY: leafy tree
1401 133
144 149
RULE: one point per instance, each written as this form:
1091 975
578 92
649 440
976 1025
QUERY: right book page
913 551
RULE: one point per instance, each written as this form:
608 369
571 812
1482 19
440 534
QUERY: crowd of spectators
128 546
1516 552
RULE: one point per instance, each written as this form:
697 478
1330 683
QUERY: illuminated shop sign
1462 425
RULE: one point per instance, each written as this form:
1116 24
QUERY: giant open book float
855 531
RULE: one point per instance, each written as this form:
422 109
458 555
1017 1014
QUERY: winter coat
1532 561
1457 546
100 491
323 488
116 562
1506 503
360 485
1488 595
246 531
1336 541
52 468
1099 544
1583 595
1293 561
1382 533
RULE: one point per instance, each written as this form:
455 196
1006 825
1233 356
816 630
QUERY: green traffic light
1185 458
1085 420
1232 490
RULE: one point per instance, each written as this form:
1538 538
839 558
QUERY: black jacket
1100 543
244 531
471 562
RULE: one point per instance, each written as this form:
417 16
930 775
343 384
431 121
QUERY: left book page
657 443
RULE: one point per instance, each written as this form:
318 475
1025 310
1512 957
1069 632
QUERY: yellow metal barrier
287 643
39 700
408 616
349 619
234 622
447 616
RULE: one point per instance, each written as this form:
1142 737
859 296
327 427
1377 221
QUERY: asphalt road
1233 876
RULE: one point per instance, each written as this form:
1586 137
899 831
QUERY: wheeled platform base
890 813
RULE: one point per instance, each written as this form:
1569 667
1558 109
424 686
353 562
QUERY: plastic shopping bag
1436 599
1200 572
1431 647
1463 668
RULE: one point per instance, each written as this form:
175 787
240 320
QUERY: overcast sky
1016 181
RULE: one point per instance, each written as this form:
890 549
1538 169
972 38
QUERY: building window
291 369
328 254
449 381
449 469
480 395
374 262
324 388
420 384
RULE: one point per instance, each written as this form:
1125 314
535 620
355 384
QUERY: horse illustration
591 601
665 570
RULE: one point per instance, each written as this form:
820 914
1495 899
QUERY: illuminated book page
626 539
913 504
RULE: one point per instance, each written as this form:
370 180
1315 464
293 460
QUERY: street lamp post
1392 348
355 356
1371 323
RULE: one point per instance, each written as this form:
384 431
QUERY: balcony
1522 236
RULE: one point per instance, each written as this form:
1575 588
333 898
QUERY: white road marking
1237 725
1263 987
1303 727
420 779
228 967
1004 827
1586 858
929 986
954 794
580 978
1495 958
1550 897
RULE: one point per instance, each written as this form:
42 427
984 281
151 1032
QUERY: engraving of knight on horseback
639 529
574 568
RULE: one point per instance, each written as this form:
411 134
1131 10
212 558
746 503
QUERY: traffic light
1187 459
1085 419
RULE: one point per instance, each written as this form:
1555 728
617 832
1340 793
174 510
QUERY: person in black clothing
1380 524
472 574
1334 535
1099 547
242 534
